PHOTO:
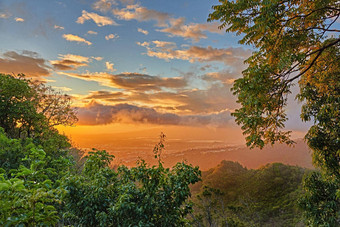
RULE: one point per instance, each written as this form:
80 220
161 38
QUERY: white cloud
111 36
98 58
75 38
58 27
92 33
145 32
99 20
109 66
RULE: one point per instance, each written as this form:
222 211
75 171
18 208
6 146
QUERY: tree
231 195
17 109
211 210
29 109
137 196
295 41
318 201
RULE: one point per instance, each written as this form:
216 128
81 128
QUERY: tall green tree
295 41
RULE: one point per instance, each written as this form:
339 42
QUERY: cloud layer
168 50
96 114
131 81
70 62
194 31
99 20
139 13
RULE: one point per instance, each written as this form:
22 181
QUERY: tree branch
319 52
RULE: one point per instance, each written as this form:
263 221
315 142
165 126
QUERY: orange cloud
70 62
19 19
75 38
27 62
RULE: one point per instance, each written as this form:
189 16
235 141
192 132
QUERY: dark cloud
66 64
98 114
132 81
27 62
137 81
104 95
107 96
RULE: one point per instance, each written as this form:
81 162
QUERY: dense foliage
231 195
41 185
295 41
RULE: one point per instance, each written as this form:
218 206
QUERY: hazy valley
204 153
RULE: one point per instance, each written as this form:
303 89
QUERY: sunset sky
131 66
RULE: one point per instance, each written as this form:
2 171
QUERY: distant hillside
204 153
263 197
209 157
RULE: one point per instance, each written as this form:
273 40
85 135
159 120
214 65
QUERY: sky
145 66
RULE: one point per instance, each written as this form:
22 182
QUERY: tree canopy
295 42
231 195
292 38
30 108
